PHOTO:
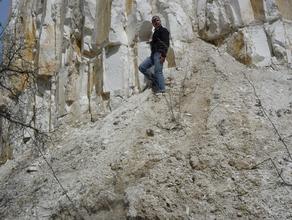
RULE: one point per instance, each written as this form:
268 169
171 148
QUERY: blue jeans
157 78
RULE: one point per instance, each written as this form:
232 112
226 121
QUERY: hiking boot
157 92
160 92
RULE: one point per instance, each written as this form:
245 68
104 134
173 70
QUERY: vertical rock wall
262 26
87 51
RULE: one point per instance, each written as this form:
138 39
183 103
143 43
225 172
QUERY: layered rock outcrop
87 51
257 31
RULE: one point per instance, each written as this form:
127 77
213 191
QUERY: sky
4 10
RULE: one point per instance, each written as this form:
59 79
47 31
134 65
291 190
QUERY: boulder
250 46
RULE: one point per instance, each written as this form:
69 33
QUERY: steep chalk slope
208 131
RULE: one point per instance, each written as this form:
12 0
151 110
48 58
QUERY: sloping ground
187 154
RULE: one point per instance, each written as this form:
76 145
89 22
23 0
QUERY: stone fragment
250 46
150 132
31 169
199 164
240 164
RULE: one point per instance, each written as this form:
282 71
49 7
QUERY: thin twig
267 116
276 168
257 165
8 117
170 107
65 192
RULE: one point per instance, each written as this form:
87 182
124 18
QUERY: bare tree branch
276 168
267 116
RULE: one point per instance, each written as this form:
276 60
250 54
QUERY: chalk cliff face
215 146
258 31
87 51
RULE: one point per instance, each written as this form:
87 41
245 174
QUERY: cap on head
155 18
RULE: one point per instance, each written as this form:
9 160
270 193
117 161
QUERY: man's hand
162 59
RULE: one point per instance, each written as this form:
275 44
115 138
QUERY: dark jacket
160 41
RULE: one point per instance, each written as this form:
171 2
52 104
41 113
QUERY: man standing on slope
159 46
